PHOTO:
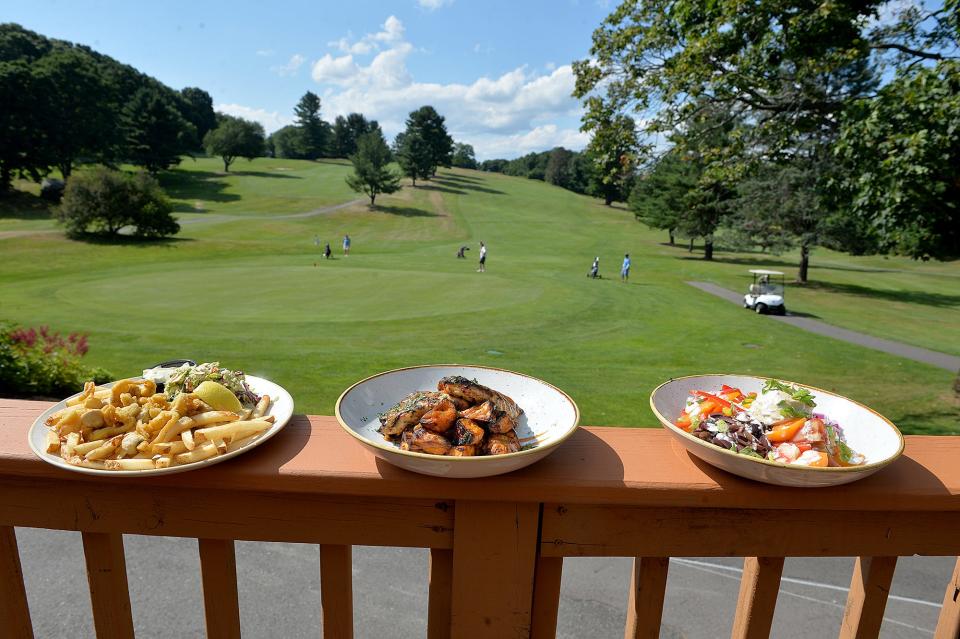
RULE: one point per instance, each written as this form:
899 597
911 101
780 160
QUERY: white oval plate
281 407
549 414
865 430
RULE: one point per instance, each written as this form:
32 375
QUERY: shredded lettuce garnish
801 395
187 378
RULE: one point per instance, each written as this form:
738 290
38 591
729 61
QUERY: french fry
262 406
174 427
205 450
170 448
240 443
86 447
162 461
129 464
235 430
103 451
214 417
109 431
67 450
53 442
187 437
80 461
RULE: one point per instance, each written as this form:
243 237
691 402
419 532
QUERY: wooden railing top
641 467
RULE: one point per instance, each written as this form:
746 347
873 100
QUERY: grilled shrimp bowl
457 421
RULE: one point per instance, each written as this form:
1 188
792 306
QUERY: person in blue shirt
625 269
346 246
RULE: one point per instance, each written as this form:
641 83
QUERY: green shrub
104 201
40 362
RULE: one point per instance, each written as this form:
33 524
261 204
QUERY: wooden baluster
867 598
221 603
648 585
546 597
441 582
759 586
336 590
107 577
14 611
948 626
494 555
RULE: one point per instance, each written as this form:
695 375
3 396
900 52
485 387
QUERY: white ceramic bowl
865 430
281 407
549 415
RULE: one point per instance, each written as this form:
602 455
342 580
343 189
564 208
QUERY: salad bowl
865 431
549 417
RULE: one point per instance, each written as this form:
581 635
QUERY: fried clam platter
463 388
409 410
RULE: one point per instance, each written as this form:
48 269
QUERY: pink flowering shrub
39 361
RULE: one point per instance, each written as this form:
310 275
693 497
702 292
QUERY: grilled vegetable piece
441 417
482 413
469 432
408 412
463 451
459 386
501 444
422 440
505 424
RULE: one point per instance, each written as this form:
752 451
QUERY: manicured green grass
256 294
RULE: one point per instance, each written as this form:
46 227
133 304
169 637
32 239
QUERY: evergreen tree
314 129
414 155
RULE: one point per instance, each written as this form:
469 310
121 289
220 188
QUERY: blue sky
497 69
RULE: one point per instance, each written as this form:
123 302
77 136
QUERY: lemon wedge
218 396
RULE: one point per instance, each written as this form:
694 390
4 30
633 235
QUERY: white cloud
271 120
517 111
337 70
265 53
291 67
540 138
432 5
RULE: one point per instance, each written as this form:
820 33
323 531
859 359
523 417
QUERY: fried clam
408 411
475 393
441 417
422 440
502 443
469 433
481 413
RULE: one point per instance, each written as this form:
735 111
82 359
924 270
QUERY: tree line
64 103
793 124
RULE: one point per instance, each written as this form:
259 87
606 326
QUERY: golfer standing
625 269
483 258
346 245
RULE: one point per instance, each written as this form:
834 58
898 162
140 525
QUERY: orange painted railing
605 492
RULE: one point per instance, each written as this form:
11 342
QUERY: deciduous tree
235 137
371 173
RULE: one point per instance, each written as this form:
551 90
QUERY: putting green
262 291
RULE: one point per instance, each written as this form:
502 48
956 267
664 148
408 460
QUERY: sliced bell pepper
785 430
684 421
708 397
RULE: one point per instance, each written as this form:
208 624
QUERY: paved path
223 217
210 219
279 588
923 355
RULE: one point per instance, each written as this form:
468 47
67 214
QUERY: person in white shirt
483 258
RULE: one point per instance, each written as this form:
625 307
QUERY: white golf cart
766 293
